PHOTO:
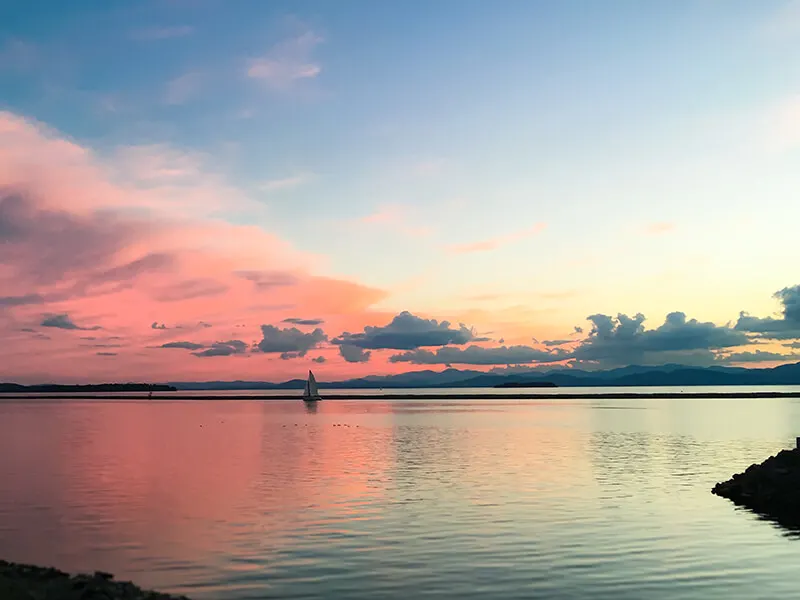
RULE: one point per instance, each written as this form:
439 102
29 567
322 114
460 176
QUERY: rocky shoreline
29 582
771 489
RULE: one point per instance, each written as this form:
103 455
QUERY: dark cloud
35 334
551 343
78 254
268 279
319 359
578 329
23 300
299 321
354 354
103 345
785 328
623 340
106 353
407 332
204 324
189 289
757 356
289 342
767 327
793 345
183 345
128 271
477 355
228 348
63 321
157 325
790 298
47 246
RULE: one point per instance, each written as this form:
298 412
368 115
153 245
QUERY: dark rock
771 488
29 582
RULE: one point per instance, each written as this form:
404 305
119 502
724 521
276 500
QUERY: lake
361 499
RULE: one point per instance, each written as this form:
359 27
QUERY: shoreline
20 581
177 396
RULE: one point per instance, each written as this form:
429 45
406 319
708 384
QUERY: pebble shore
29 582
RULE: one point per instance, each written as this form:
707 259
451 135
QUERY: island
28 582
52 388
771 488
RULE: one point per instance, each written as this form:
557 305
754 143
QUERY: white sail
311 392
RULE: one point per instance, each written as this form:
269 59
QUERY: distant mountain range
664 375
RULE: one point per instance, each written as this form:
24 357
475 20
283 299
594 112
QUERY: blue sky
564 158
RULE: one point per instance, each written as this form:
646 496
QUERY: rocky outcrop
28 582
771 488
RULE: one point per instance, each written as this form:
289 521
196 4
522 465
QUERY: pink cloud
100 245
496 242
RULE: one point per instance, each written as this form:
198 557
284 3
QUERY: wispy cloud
159 162
162 33
287 62
659 228
386 214
395 217
496 242
17 54
782 124
183 88
274 185
784 23
433 166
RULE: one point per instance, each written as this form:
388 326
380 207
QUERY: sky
198 189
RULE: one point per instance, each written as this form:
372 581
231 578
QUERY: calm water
361 499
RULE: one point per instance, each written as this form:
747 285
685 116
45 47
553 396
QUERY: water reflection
788 526
242 500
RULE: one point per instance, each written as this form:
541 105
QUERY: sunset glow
249 190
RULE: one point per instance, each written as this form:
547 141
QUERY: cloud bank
406 332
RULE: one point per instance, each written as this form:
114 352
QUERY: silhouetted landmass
51 388
771 489
29 582
530 384
454 395
634 375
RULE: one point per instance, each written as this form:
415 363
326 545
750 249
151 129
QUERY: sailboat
311 393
